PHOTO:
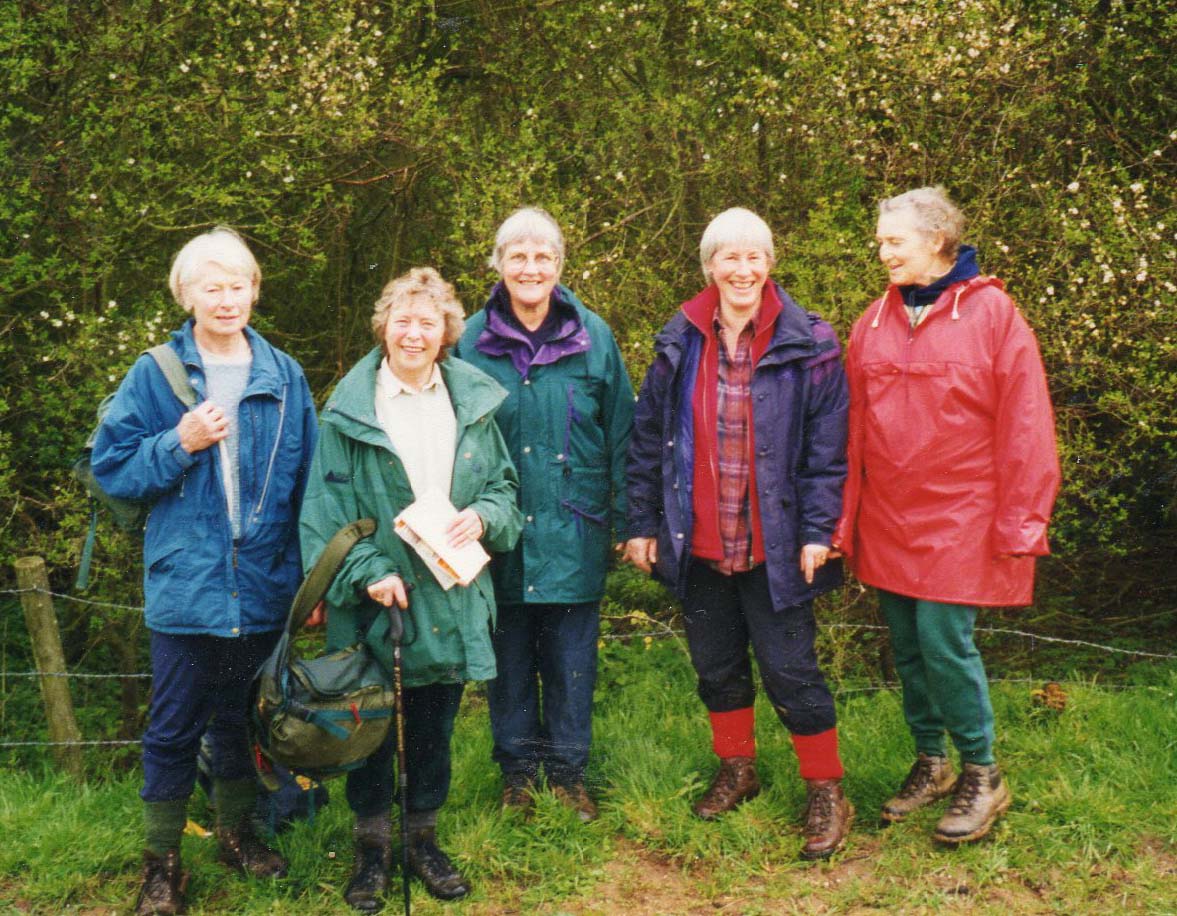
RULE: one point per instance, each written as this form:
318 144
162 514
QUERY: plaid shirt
733 419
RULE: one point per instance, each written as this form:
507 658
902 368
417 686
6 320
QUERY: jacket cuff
814 536
169 443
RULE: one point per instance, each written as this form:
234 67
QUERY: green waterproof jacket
567 422
356 473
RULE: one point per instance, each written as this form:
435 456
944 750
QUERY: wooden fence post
41 620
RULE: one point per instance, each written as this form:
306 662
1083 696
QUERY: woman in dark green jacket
404 423
567 422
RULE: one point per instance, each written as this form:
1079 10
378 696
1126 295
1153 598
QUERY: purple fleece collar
500 337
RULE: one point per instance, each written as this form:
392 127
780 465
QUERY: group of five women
755 457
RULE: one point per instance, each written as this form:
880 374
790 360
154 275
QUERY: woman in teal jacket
403 422
567 422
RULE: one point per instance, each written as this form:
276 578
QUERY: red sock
733 733
818 755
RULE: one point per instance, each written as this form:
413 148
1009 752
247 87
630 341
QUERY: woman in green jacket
567 422
403 423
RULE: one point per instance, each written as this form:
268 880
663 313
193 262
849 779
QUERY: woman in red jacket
953 474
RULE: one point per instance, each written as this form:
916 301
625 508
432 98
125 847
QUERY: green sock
234 800
164 822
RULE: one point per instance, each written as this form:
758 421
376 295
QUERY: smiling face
221 303
413 339
740 274
530 270
911 256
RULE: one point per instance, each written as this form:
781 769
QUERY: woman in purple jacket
736 466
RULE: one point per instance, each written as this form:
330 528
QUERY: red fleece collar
701 310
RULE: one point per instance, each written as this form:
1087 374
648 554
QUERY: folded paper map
422 525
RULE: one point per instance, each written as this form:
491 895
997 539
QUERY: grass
1091 830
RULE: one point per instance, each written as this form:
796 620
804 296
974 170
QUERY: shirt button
670 444
234 594
235 630
531 588
531 518
527 450
527 381
679 535
436 630
560 457
467 456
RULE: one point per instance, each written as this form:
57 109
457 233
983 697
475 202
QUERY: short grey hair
424 284
735 227
221 247
934 212
528 224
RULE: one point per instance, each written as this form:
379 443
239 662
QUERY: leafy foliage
351 140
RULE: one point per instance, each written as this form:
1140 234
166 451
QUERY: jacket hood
352 405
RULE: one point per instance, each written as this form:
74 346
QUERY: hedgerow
353 139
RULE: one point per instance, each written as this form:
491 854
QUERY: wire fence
658 630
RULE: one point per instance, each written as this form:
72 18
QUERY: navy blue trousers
429 725
722 615
199 683
541 704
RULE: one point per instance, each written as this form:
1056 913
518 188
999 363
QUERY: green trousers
944 684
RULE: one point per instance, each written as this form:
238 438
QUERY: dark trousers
723 614
429 725
541 704
199 683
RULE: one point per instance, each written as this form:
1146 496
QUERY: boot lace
967 791
725 782
918 778
821 810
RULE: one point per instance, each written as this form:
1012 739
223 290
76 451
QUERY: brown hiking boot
980 798
575 796
518 789
734 782
164 883
828 817
930 779
242 849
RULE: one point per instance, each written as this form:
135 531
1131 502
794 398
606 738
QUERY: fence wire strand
663 631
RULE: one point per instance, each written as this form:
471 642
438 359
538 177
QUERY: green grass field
1093 827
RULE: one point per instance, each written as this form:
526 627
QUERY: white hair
735 227
527 224
934 212
221 247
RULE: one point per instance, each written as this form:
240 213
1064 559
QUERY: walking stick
396 632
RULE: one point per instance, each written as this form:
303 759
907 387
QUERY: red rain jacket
953 464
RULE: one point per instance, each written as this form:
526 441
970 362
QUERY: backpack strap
177 377
173 370
319 579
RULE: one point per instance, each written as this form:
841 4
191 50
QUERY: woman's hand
388 591
202 426
813 557
465 527
642 553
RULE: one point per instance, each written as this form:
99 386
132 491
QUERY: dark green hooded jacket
356 473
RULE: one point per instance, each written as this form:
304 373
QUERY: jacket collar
264 374
501 337
787 326
352 405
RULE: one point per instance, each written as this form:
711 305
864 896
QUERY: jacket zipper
257 512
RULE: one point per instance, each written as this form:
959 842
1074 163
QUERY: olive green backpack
322 716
